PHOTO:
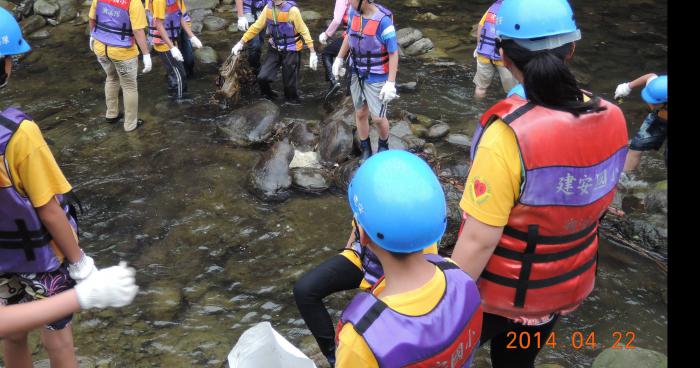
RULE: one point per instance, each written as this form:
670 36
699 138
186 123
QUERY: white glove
242 24
475 54
388 92
337 66
196 43
323 38
237 48
175 52
110 287
146 63
313 61
622 90
91 47
82 269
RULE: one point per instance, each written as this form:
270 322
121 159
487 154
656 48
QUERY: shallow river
213 260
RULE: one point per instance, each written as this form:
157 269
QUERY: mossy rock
630 358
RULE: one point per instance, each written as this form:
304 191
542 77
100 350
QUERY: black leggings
332 275
496 329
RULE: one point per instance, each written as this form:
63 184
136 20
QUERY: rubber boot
383 145
366 150
334 84
266 90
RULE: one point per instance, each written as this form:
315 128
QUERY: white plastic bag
262 347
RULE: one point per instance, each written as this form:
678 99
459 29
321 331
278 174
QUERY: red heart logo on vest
479 188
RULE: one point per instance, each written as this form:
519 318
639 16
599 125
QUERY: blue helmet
517 90
11 40
398 201
656 91
537 24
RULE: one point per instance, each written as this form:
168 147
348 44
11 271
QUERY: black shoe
335 87
115 119
382 145
365 150
271 95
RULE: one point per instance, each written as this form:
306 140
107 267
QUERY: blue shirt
387 35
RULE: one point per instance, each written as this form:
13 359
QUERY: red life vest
545 261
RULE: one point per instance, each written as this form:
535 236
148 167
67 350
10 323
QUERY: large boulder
206 56
250 125
270 179
407 36
198 15
201 4
343 174
630 358
213 23
302 138
335 142
46 8
420 47
344 111
401 129
32 24
68 10
309 180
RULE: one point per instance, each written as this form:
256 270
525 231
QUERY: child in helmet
652 133
425 311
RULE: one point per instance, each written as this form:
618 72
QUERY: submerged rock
250 125
335 142
630 358
40 35
309 180
438 131
32 24
460 140
407 87
270 178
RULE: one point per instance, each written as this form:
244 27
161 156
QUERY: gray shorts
486 71
370 96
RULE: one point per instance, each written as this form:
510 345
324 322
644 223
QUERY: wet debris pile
235 75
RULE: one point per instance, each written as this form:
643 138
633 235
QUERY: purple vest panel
487 39
284 35
370 263
253 6
24 242
397 340
367 53
112 23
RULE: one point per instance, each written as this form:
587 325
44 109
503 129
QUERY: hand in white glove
622 90
196 43
237 48
388 92
175 52
110 287
337 66
91 47
146 63
82 269
242 24
323 38
475 54
313 61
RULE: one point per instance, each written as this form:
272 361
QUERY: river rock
232 28
407 36
302 138
401 128
394 142
656 202
310 15
420 47
419 130
7 5
460 140
40 35
438 131
414 4
407 87
32 24
344 172
46 8
413 143
309 180
427 17
213 23
68 10
197 27
250 125
335 142
308 159
198 15
630 358
205 56
270 178
344 112
163 301
201 4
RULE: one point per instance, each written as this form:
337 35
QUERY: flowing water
213 260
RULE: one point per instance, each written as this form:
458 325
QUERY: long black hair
547 79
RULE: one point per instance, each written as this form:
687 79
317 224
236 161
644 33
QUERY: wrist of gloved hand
82 269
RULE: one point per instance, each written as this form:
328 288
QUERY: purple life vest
25 244
487 39
367 52
253 6
171 23
112 23
284 37
370 263
447 336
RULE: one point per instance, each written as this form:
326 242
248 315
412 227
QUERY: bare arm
186 26
92 24
140 37
475 246
393 65
344 49
162 33
239 8
54 219
26 316
641 81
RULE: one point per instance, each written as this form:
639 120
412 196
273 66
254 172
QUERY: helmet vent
380 235
517 27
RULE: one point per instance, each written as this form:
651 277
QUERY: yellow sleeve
493 184
353 350
300 26
183 7
257 27
93 8
158 10
483 19
137 15
33 168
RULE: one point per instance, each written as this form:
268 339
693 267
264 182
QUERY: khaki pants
486 71
121 74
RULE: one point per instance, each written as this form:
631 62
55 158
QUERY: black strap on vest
123 32
526 267
8 124
370 316
520 111
542 239
538 284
